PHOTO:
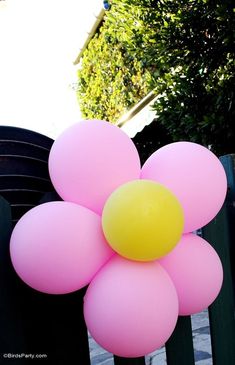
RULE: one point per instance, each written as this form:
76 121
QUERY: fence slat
5 221
36 323
128 361
221 312
12 323
179 347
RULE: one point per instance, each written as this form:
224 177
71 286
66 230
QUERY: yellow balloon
142 220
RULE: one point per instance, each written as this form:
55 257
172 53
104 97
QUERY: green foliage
197 100
111 78
184 50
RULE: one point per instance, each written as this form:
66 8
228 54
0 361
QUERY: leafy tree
114 74
197 100
184 50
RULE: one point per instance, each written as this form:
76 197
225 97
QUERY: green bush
116 71
184 50
198 99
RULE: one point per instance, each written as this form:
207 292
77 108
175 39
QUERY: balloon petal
131 308
196 271
91 159
195 175
58 247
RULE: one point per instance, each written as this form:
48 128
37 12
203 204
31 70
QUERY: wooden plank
129 361
228 162
221 313
25 135
55 323
11 339
36 323
179 347
5 222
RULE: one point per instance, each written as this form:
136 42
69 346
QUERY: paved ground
201 340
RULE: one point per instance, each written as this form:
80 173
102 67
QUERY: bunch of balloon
126 232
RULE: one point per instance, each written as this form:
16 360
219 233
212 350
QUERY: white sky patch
39 40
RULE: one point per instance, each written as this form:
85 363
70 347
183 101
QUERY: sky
39 41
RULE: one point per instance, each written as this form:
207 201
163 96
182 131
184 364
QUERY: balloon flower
126 231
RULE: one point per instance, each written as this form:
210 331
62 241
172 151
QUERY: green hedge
184 50
112 78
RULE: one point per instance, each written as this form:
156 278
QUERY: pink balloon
196 271
90 160
131 308
58 247
195 175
